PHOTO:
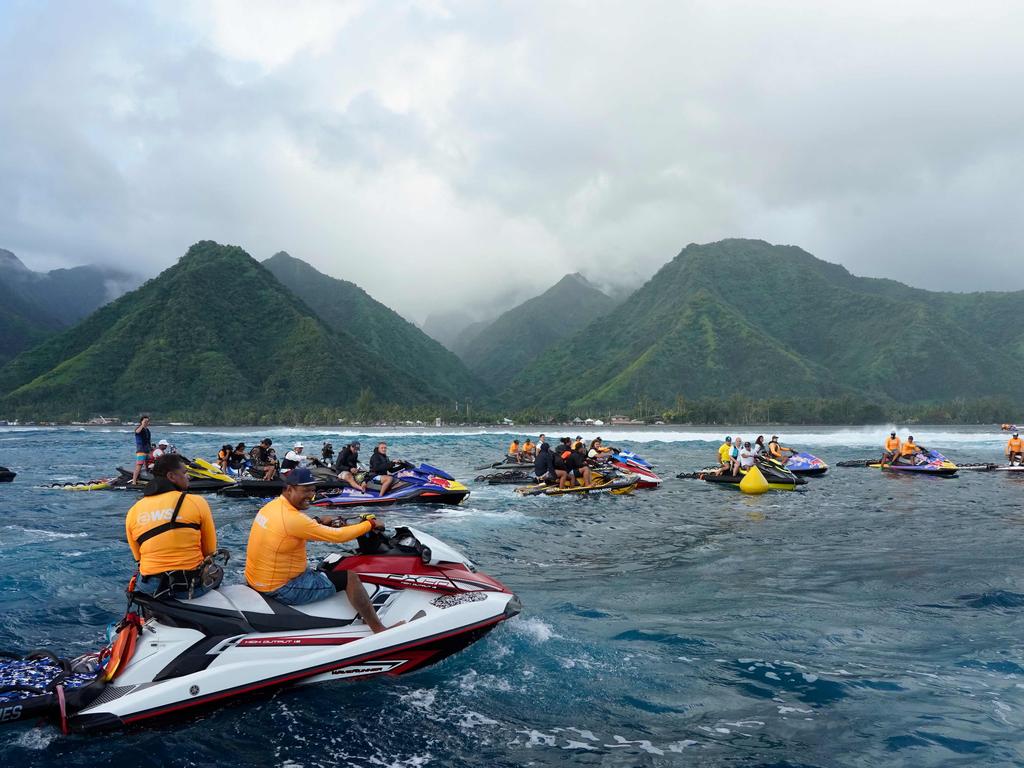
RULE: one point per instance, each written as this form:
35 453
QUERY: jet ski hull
6 476
805 464
234 642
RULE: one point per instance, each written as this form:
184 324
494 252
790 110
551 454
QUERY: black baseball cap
299 476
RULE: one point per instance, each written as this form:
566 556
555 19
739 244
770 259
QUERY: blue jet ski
806 464
413 485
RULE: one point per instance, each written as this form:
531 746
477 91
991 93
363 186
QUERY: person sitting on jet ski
724 455
224 457
892 448
327 454
747 456
161 448
294 458
515 453
1015 449
776 451
348 465
576 466
910 452
380 468
276 560
171 533
734 456
529 450
759 447
597 450
544 465
263 460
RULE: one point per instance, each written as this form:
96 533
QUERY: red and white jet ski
233 641
630 463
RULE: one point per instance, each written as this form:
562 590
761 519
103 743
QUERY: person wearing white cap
162 448
293 458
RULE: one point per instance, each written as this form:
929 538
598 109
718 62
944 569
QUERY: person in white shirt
293 458
747 456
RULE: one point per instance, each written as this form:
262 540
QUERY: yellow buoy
753 482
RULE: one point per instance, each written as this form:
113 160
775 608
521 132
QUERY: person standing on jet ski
171 533
348 465
380 468
1015 449
143 446
327 454
276 561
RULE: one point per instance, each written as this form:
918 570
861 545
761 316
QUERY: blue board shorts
307 587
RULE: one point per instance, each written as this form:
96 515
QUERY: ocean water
867 620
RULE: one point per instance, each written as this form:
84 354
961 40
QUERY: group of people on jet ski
736 456
145 452
261 461
570 462
172 537
903 452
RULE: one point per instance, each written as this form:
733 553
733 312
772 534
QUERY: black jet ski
779 479
258 488
6 475
233 641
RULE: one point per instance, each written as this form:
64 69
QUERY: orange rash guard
276 552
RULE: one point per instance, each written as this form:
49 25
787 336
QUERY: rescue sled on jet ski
203 478
805 464
925 463
172 656
421 484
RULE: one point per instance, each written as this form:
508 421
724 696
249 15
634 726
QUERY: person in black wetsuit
544 465
576 463
348 464
380 468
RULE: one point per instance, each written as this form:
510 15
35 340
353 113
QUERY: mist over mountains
220 333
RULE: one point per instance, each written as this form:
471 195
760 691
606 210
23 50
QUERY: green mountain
34 305
746 317
214 333
502 349
347 308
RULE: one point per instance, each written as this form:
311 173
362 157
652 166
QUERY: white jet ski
233 641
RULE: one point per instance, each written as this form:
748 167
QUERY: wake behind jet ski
174 655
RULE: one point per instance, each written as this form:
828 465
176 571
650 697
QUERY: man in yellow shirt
1015 449
909 451
170 534
275 559
892 448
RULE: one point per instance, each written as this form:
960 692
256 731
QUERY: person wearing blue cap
276 563
725 452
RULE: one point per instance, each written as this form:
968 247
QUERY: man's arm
304 527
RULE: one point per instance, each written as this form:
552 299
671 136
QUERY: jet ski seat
238 609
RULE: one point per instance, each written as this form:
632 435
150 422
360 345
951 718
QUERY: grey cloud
489 150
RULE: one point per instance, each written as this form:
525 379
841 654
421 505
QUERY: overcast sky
440 153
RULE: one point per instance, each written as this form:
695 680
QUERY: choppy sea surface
867 620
